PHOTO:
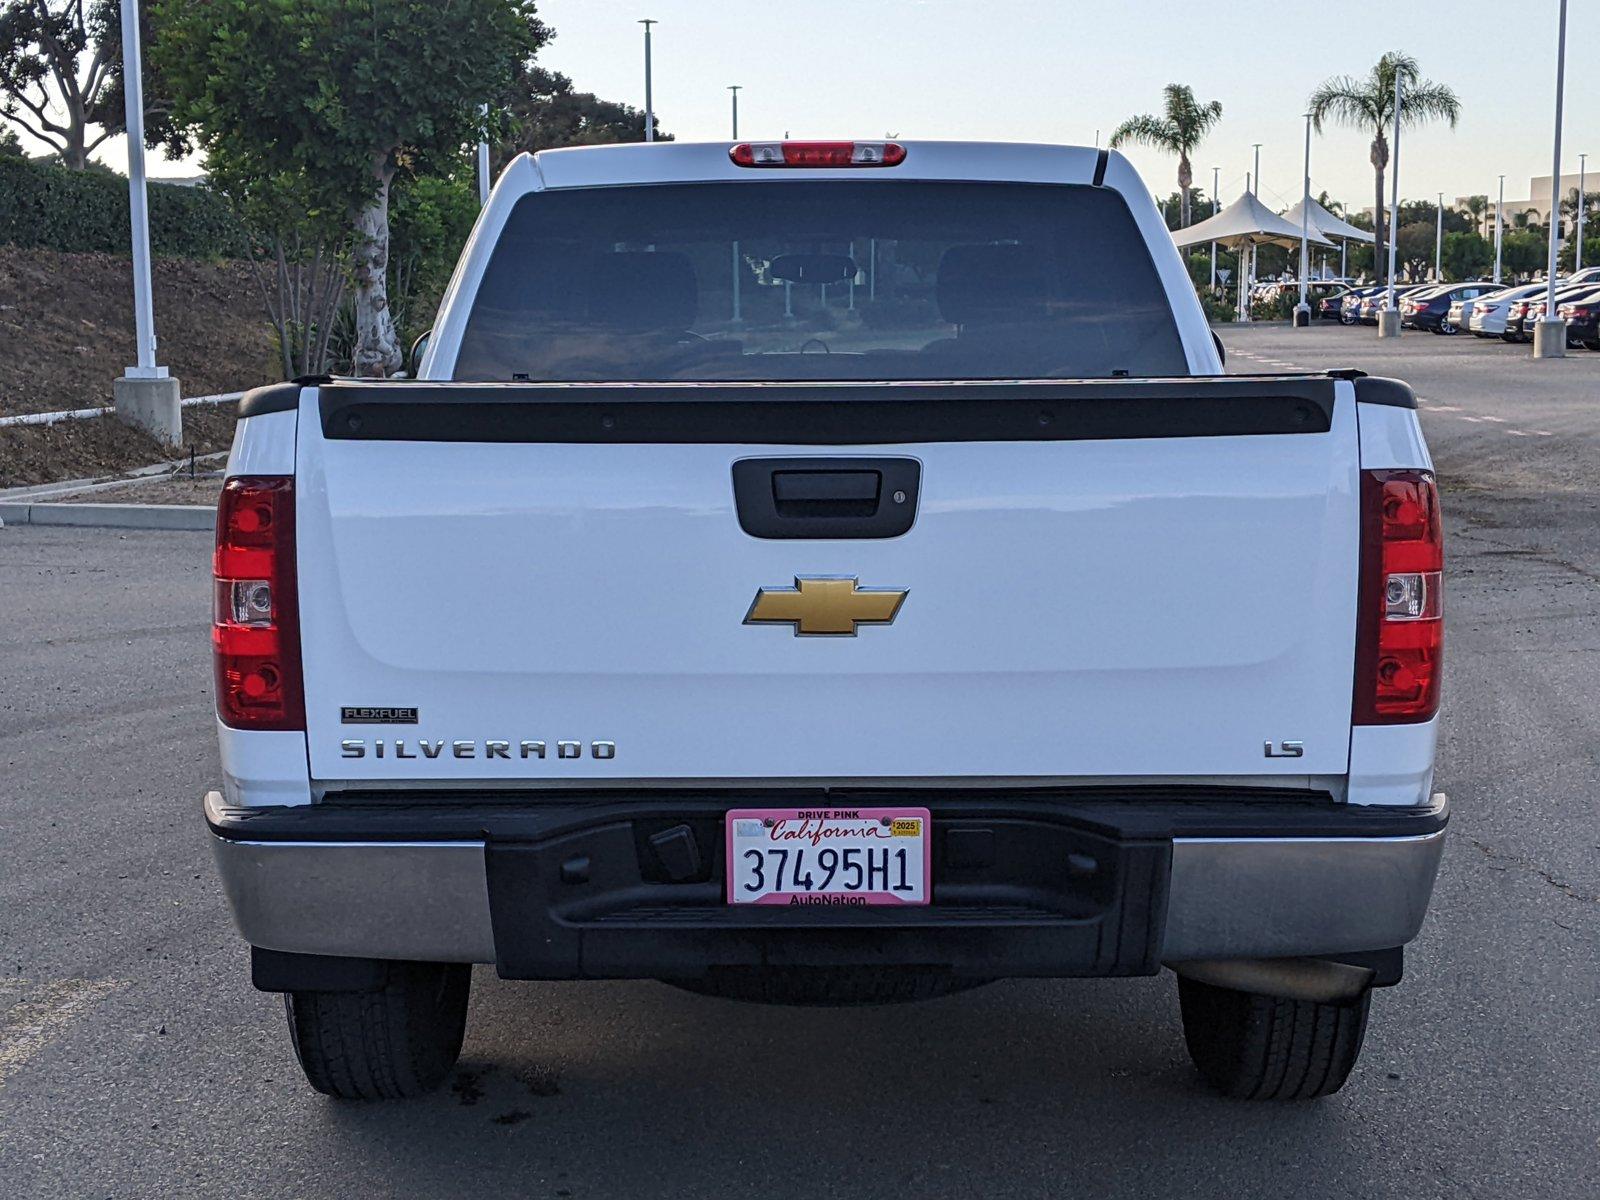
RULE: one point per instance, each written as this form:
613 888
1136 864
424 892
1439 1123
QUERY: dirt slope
66 327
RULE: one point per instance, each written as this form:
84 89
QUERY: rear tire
398 1042
1255 1047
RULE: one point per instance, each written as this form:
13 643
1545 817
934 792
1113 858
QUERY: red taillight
255 623
1400 620
817 154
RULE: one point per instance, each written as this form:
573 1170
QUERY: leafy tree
1172 210
1467 255
1413 248
11 144
1181 127
545 112
1523 252
1569 210
344 96
58 60
430 221
1569 251
1368 103
1478 208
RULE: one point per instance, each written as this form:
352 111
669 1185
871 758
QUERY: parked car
1461 309
1489 314
1582 315
1409 303
1432 310
1526 313
1330 307
655 747
1350 303
1372 305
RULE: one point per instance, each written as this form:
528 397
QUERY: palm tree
1368 103
1179 130
1478 210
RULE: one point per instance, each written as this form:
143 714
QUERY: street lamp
483 161
1389 318
1577 261
1499 226
733 88
1216 178
1550 333
649 103
1302 311
1254 188
145 395
1438 243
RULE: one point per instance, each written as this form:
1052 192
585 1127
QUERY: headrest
638 291
992 285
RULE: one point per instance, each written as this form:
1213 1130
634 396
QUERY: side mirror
418 349
1222 351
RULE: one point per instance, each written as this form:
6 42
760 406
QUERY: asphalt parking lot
136 1060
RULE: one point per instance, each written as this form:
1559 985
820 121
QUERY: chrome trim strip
414 900
1280 897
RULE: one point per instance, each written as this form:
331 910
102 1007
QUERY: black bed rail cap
278 397
1375 389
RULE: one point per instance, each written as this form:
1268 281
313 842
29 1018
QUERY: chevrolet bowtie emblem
825 605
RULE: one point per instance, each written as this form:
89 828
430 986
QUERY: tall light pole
1438 242
1499 226
1550 333
145 396
1257 175
483 162
738 309
1577 257
1389 319
1216 182
649 101
1302 311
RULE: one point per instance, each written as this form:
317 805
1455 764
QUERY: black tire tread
1255 1047
400 1041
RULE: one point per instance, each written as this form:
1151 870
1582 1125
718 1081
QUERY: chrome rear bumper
1227 897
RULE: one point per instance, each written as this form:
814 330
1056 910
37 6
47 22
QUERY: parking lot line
33 1023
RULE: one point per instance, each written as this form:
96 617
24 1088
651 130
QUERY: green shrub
45 206
1218 308
1279 308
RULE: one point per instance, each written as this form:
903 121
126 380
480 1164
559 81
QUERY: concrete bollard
1389 323
152 405
1550 338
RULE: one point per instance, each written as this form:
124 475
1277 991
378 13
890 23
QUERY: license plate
838 857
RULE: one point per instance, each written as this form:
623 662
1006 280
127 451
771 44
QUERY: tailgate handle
826 493
826 497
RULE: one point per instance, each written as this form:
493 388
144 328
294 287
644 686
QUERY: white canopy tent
1245 223
1328 225
1331 226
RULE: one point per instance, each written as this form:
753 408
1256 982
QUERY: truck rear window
849 280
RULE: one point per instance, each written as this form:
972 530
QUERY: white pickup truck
827 573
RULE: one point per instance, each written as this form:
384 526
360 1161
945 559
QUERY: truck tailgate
1135 577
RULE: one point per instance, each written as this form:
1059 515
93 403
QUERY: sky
1061 71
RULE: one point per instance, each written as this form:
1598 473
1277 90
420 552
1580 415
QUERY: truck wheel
1254 1047
826 987
389 1044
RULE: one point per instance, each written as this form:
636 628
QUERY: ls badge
826 606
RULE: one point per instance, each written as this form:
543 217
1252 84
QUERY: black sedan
1430 310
